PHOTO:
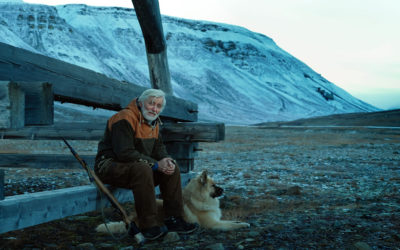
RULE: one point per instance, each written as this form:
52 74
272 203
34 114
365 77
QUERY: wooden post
159 72
39 103
12 104
183 153
1 184
149 17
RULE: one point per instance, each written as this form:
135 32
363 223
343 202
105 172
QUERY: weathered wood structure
71 83
148 13
21 211
12 105
29 85
181 138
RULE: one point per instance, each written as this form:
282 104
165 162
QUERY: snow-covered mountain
235 75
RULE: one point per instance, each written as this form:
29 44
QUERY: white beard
148 117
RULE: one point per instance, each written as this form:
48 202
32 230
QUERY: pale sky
353 43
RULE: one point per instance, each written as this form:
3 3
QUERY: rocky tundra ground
299 188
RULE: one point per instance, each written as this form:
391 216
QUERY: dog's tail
112 227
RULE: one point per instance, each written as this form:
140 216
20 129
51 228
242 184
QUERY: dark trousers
142 180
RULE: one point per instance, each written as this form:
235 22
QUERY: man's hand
166 166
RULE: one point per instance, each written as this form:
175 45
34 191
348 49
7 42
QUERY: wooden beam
149 17
1 184
160 77
21 211
193 132
26 103
178 132
50 161
71 82
12 105
71 131
184 155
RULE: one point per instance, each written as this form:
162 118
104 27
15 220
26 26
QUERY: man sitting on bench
131 155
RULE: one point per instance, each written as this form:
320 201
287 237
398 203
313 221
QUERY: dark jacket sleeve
159 150
123 143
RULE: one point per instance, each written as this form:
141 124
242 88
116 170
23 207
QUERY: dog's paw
111 227
242 224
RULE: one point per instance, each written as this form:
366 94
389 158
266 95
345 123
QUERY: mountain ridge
235 75
386 118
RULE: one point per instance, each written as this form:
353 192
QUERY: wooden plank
50 161
1 184
182 153
67 161
193 132
181 132
12 105
71 82
27 210
83 131
21 211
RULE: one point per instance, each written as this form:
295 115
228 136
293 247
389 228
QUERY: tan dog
200 206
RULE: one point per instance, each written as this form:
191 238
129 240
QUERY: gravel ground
298 188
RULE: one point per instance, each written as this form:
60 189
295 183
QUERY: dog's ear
203 178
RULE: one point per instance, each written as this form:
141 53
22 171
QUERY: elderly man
132 155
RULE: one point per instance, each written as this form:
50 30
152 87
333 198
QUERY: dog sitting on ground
200 206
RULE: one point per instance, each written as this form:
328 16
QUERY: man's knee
141 174
142 169
177 171
176 176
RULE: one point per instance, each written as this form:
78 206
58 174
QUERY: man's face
151 107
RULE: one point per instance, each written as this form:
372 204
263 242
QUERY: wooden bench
21 211
181 140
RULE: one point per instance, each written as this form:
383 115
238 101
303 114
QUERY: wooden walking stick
133 230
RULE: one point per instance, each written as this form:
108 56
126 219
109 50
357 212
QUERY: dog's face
207 184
